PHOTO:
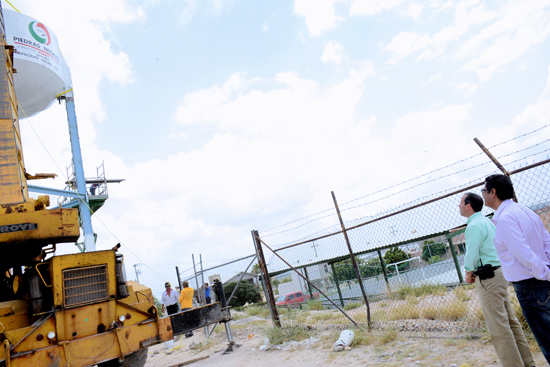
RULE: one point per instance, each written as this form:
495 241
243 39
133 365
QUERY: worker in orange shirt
186 300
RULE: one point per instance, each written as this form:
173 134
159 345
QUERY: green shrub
246 293
430 250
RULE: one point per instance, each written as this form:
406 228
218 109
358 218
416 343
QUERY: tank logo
39 32
18 227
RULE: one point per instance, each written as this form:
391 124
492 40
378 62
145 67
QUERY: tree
345 271
256 269
246 293
158 305
430 250
395 255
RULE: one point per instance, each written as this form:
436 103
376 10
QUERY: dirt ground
377 349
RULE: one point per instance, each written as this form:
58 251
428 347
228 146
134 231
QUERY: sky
225 116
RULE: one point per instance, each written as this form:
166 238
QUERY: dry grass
315 305
453 311
388 336
462 294
430 313
404 312
351 306
412 299
278 335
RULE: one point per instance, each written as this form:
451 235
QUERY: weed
362 338
411 299
430 313
404 312
351 306
383 304
453 311
388 336
462 294
278 335
324 316
315 305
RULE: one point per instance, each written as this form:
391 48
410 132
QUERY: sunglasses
484 190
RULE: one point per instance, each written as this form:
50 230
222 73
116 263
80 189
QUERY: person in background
93 188
492 288
169 299
523 246
207 293
186 300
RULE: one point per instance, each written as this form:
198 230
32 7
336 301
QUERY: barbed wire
399 184
413 187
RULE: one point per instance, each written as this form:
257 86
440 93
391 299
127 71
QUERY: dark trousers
208 300
534 299
172 309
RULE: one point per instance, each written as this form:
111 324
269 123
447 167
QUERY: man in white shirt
523 246
169 299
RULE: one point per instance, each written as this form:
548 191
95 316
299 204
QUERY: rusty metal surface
183 322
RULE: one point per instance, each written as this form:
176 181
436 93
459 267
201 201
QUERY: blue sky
228 116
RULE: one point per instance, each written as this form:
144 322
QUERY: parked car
296 297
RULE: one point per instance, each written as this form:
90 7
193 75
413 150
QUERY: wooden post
266 281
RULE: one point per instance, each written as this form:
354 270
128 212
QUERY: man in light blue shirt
491 286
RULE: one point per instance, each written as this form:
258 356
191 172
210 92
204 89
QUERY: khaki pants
505 329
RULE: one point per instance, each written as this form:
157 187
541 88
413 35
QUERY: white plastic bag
345 340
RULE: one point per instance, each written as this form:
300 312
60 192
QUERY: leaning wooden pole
266 281
307 280
353 261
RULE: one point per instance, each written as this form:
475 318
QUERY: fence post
384 270
179 280
455 258
353 261
335 279
196 280
308 285
266 281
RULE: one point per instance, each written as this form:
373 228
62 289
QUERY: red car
296 297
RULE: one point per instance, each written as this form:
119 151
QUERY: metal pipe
455 258
196 279
83 205
240 279
179 280
353 261
495 161
336 281
206 333
384 270
313 285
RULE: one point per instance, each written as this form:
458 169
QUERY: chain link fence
410 261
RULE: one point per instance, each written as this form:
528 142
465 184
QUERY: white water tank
42 72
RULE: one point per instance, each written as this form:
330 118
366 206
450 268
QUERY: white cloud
435 78
373 7
333 52
320 15
488 40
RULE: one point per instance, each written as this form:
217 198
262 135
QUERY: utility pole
138 272
314 248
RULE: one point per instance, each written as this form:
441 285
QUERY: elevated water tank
42 72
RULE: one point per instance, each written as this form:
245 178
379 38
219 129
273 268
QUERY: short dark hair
185 283
474 200
502 185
